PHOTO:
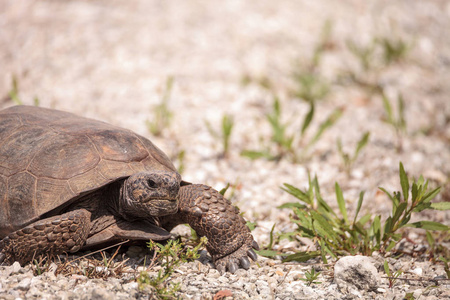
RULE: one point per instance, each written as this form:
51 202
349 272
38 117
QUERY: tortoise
69 183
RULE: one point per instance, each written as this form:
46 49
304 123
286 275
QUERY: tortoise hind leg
62 233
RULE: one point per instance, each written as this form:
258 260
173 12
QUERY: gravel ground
110 60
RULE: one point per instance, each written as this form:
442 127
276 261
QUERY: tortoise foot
230 241
239 258
58 234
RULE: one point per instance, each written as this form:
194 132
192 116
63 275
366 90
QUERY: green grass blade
388 109
323 227
252 154
291 205
428 225
386 268
308 118
401 112
404 183
332 118
429 196
358 206
361 144
390 246
302 256
297 193
268 253
341 202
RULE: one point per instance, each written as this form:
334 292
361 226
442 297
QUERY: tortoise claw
221 269
232 267
252 254
245 263
255 245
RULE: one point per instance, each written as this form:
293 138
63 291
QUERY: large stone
356 273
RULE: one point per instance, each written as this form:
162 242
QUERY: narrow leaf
256 154
361 144
429 196
388 109
441 205
297 193
376 227
291 205
387 193
341 202
390 246
428 225
302 256
386 268
332 118
323 226
268 253
404 183
398 212
308 117
358 207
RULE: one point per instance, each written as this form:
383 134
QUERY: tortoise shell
49 159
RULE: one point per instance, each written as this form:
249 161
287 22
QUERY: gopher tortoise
69 183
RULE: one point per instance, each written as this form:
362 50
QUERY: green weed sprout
311 276
375 57
341 235
225 134
347 159
14 93
170 256
397 122
282 143
392 277
162 114
311 86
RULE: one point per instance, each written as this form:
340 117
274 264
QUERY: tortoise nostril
152 184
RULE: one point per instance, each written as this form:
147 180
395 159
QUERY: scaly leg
62 233
230 241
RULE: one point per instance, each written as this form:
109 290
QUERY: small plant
284 144
363 53
169 256
311 276
373 58
281 140
398 122
340 235
394 49
179 158
348 159
14 92
392 277
162 114
446 262
225 134
40 265
310 85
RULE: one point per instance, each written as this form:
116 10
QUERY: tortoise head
150 194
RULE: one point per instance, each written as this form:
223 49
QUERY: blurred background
251 93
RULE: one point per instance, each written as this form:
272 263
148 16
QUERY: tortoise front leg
62 233
229 239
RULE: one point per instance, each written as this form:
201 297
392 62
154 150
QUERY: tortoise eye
152 184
